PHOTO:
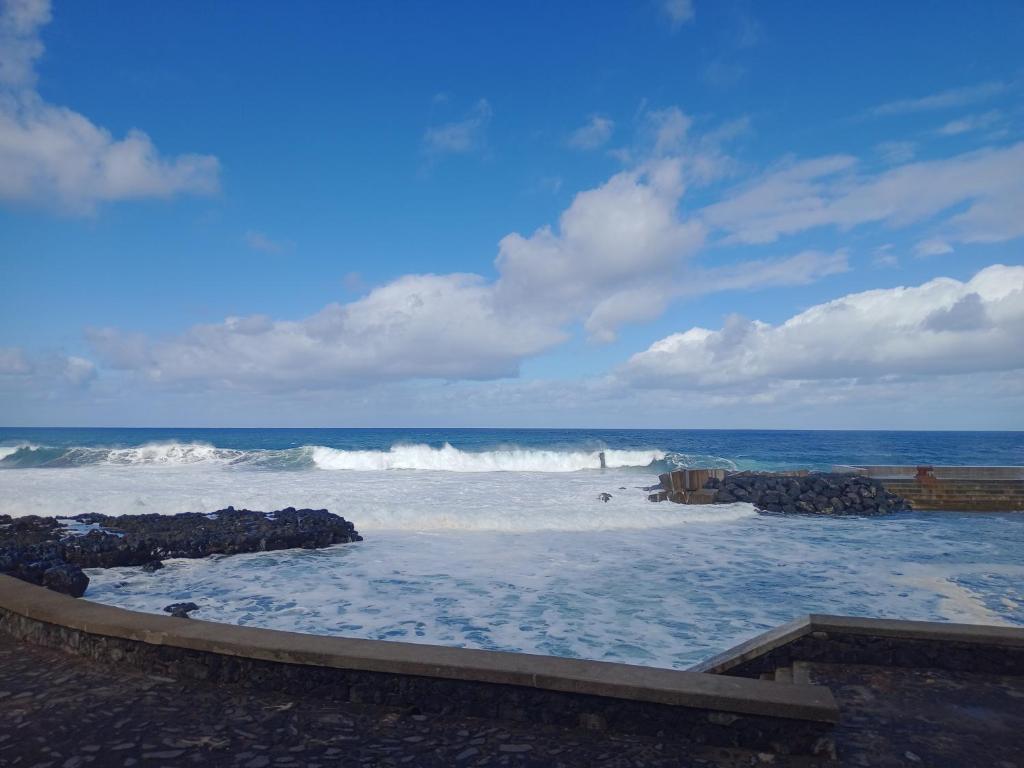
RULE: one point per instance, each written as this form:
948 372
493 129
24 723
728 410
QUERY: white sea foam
398 500
663 597
450 459
446 458
169 453
534 561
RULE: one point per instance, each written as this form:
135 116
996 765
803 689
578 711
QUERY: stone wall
540 689
877 642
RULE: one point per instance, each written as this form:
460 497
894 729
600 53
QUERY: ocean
494 538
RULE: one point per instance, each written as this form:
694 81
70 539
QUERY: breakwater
964 489
817 493
852 490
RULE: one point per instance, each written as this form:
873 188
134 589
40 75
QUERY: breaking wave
447 458
415 456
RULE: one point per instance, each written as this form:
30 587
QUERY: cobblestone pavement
894 717
62 711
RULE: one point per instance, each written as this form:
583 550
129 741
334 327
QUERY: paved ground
63 711
925 717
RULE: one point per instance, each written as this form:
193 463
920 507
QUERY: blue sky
524 214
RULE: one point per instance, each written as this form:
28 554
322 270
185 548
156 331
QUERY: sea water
497 539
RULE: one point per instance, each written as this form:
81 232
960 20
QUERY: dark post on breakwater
874 489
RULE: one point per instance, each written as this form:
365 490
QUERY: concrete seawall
689 706
963 489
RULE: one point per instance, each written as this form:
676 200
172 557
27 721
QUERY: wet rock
817 493
66 578
181 610
32 547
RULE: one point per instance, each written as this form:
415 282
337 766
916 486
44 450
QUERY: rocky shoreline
52 552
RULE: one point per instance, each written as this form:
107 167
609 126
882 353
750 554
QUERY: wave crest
448 458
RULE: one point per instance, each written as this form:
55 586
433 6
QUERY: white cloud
613 239
614 242
595 133
43 372
827 191
54 156
19 40
460 137
648 301
419 326
932 247
943 327
679 12
954 97
971 123
78 371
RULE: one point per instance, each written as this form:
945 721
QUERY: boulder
181 610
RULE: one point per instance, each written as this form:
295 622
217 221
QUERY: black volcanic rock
181 610
43 551
815 493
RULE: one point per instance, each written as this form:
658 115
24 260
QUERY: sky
663 213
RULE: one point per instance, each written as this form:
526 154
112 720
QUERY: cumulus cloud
943 327
52 155
595 133
462 136
954 97
987 184
419 326
614 239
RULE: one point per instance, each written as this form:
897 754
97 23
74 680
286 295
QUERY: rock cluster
816 493
44 551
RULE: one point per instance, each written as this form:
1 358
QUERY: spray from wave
416 456
447 458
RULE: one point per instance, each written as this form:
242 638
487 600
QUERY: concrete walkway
62 711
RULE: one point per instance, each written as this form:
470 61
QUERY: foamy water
510 548
666 596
